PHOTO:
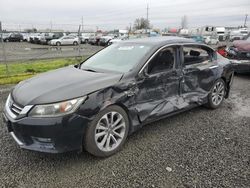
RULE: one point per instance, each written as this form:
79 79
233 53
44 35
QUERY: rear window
195 55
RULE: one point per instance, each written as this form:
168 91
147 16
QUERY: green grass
19 71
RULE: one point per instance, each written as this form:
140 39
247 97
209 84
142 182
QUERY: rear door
199 67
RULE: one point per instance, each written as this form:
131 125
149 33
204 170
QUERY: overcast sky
114 14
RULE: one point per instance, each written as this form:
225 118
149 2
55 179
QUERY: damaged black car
95 105
239 53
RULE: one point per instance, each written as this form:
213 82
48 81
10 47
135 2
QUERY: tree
184 22
141 23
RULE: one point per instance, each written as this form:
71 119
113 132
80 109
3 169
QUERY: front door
159 87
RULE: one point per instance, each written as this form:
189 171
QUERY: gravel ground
198 148
16 51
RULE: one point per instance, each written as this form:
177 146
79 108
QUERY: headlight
57 109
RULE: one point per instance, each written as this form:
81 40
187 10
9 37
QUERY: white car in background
65 40
119 39
85 37
104 40
238 34
212 40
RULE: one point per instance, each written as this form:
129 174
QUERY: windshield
117 57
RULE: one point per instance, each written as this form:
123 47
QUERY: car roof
160 41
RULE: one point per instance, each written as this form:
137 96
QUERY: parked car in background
240 49
102 100
37 39
104 40
33 36
65 40
14 37
94 39
47 37
238 34
239 53
25 37
211 40
3 36
85 37
73 34
119 39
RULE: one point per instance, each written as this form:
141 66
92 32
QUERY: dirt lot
198 148
16 51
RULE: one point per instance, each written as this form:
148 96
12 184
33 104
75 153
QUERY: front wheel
107 132
217 94
75 43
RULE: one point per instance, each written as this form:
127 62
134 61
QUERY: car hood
61 84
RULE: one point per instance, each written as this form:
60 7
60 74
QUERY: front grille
16 109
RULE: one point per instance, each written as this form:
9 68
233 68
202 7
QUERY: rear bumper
242 66
50 135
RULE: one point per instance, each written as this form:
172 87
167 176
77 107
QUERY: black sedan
14 37
95 105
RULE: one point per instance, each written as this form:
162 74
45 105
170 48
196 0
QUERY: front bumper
50 135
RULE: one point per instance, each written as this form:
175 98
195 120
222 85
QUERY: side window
163 61
195 55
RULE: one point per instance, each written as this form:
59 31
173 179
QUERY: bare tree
141 23
184 22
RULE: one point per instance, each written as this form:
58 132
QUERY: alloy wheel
110 131
218 93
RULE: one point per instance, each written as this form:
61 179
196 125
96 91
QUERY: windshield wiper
90 70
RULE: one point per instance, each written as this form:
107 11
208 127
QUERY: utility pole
130 29
4 52
82 24
147 18
50 26
245 22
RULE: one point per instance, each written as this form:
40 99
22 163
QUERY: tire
75 43
100 136
217 94
58 43
86 41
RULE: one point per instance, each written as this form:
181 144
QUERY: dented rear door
198 77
